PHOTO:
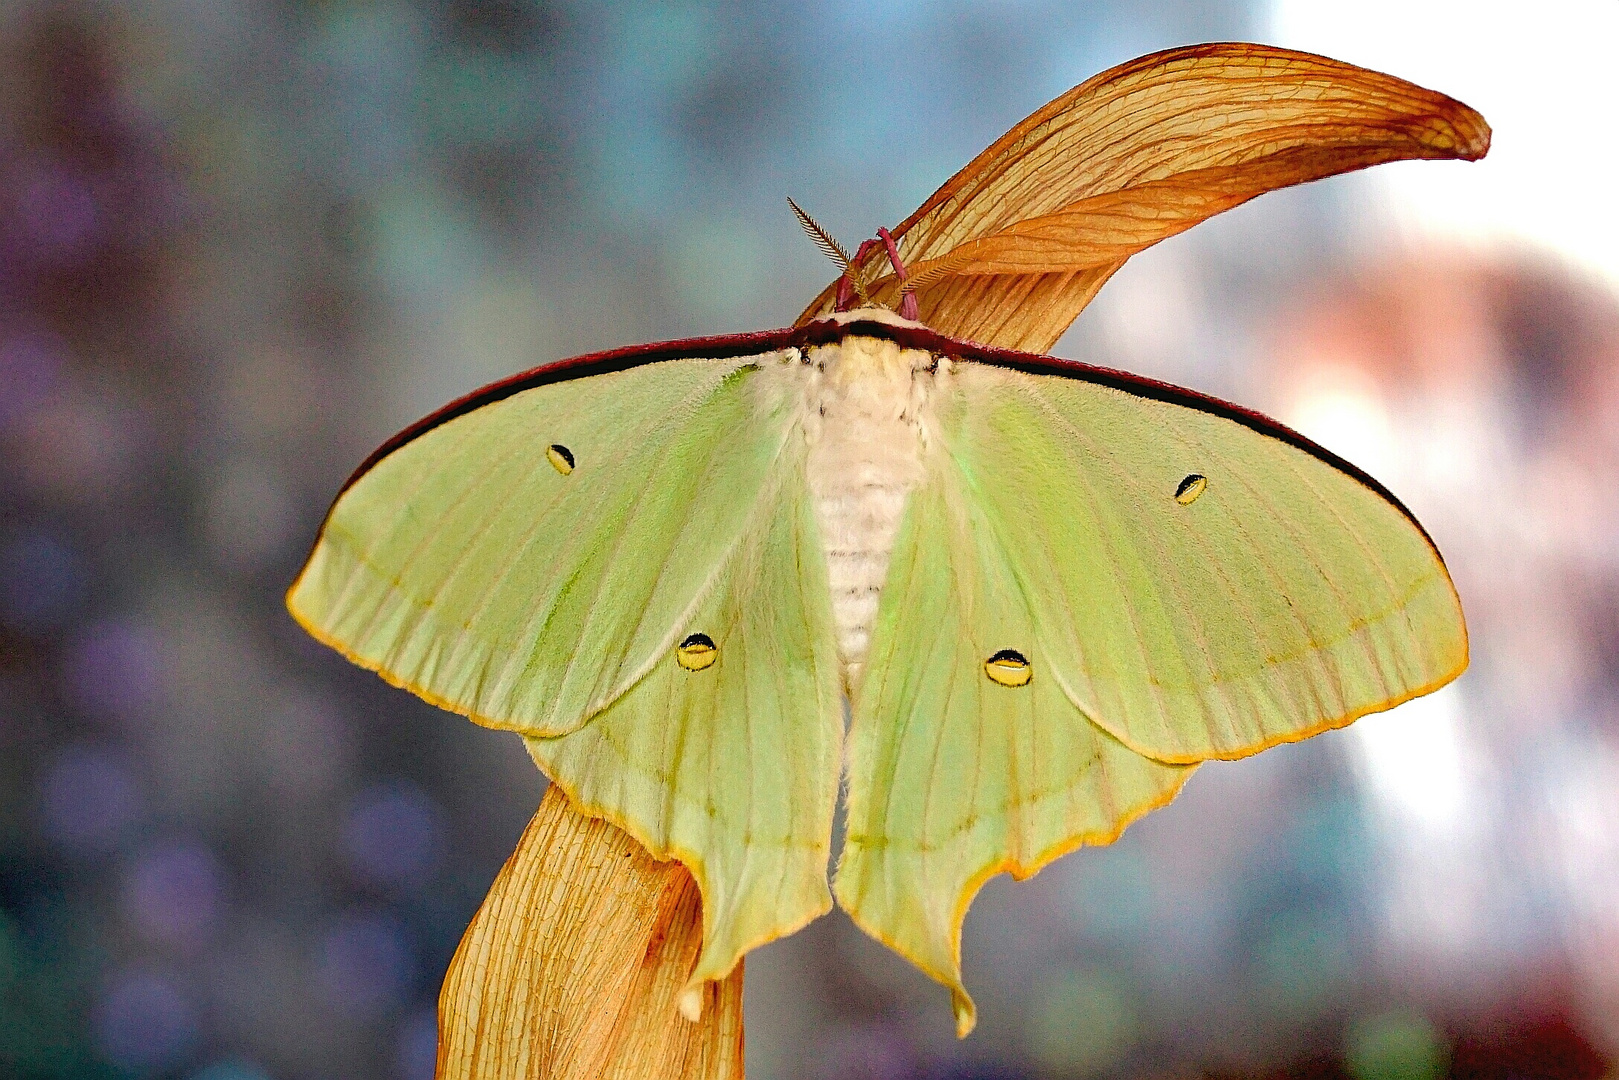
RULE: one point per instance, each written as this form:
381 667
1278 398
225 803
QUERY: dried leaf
1011 310
573 964
1140 153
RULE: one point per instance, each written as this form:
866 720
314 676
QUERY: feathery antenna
832 248
822 238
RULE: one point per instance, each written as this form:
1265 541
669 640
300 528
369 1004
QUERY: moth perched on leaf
1046 590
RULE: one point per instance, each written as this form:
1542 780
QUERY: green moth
1045 590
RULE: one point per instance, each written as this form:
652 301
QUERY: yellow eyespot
697 652
1009 668
1191 488
560 457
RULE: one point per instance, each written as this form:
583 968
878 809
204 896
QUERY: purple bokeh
173 894
394 834
110 671
41 582
416 1045
308 748
88 799
144 1021
58 214
365 964
30 368
870 1052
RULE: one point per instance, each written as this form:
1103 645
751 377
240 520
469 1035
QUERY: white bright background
1543 74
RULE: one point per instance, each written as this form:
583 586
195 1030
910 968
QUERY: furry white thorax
866 417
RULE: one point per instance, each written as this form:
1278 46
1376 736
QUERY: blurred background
241 243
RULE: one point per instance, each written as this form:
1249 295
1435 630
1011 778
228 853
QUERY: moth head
852 284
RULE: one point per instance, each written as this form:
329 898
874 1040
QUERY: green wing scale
468 568
732 768
536 562
1176 580
1281 593
1097 582
954 776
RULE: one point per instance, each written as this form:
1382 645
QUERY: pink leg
907 304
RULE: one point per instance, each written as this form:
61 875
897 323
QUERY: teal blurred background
240 244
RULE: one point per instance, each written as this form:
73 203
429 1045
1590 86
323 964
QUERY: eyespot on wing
1190 488
1009 668
697 652
560 457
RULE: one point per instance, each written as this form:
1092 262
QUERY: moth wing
954 778
526 587
1203 582
468 566
733 768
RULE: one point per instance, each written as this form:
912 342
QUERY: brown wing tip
1464 134
1475 132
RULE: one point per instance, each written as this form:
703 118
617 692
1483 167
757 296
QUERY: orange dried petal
1137 154
573 966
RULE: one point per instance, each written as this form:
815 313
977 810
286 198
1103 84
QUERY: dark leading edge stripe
827 331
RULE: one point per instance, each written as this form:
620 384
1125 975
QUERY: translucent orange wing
1035 225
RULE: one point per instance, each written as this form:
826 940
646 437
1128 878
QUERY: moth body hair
866 404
